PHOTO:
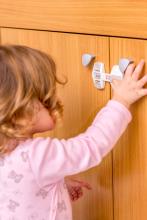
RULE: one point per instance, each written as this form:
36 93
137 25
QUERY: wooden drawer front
115 18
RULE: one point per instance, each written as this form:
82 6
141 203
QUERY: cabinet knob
123 63
87 58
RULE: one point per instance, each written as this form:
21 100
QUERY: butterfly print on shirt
16 177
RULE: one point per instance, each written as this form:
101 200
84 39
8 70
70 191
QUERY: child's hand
130 89
75 188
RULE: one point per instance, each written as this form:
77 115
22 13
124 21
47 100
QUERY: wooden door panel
130 154
81 101
115 18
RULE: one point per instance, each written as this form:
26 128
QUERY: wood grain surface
130 154
115 18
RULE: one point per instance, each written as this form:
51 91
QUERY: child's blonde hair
26 74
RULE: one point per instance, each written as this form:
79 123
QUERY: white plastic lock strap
100 77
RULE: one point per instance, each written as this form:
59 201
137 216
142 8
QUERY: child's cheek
52 123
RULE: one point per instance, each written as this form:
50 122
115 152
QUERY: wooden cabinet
119 182
130 154
81 99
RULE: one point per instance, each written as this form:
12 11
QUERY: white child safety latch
100 77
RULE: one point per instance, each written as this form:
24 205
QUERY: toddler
32 170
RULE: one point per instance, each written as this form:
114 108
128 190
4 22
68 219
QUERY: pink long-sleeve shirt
32 177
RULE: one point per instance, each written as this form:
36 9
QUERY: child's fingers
142 81
86 185
114 83
129 71
73 195
78 183
138 70
142 92
76 194
79 192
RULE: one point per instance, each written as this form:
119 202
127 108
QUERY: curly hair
26 74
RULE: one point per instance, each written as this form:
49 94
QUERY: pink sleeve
52 159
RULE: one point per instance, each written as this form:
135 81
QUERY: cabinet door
130 154
81 101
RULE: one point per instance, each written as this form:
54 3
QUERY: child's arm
52 159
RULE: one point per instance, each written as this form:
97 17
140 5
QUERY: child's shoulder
34 141
31 146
